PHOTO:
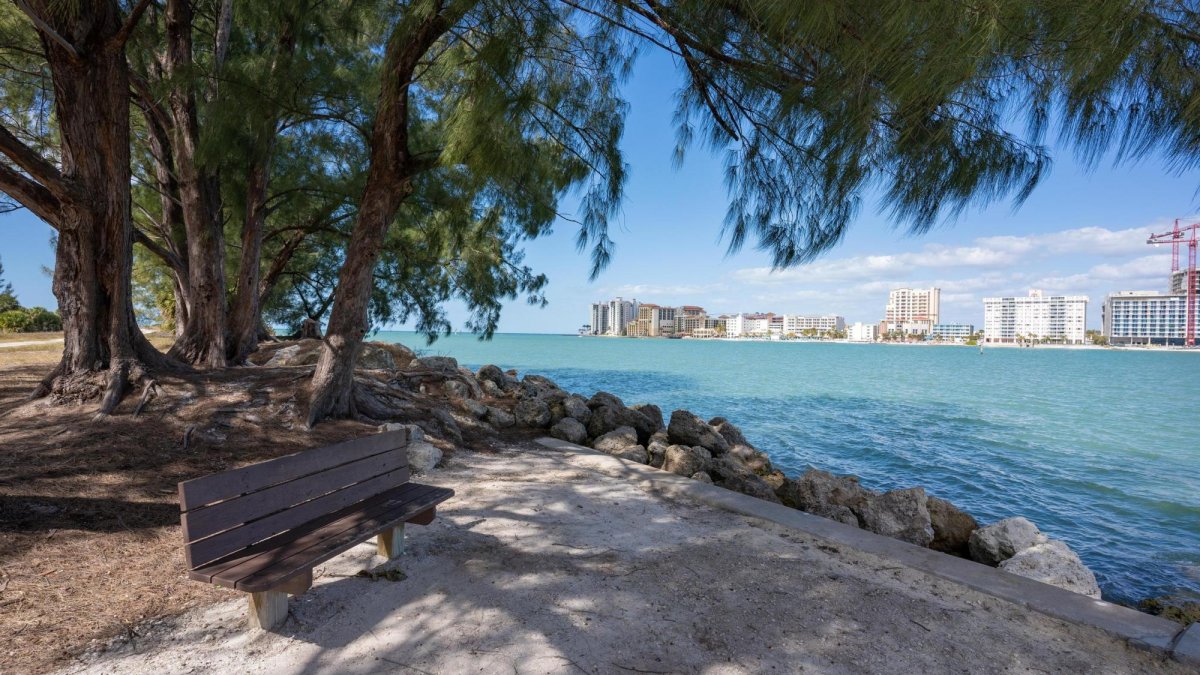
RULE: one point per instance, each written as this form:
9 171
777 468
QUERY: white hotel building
1149 317
823 323
1058 318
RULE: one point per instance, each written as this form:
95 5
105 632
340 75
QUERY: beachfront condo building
599 324
913 310
748 325
952 331
1034 318
797 324
688 324
1147 317
862 332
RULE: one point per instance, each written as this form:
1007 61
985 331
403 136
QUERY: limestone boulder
569 430
688 429
532 413
702 477
900 514
728 431
634 453
815 488
604 399
995 543
443 363
952 528
299 353
657 449
616 440
733 475
374 356
540 388
754 460
606 418
475 408
685 460
576 408
491 388
501 419
423 456
836 512
1053 562
490 373
652 413
455 389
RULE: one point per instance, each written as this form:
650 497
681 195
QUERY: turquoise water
1099 448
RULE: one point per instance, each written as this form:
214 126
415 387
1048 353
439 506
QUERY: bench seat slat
228 484
231 513
210 549
271 563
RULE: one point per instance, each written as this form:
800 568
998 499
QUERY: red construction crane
1175 237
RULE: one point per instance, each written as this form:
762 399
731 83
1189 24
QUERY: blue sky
1081 232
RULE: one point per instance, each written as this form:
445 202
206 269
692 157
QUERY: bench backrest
228 511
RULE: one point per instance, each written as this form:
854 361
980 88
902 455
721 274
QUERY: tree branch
32 163
131 22
31 195
46 29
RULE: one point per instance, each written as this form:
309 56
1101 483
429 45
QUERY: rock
476 408
1002 540
900 514
685 460
775 479
491 388
755 460
687 429
652 413
468 378
450 428
616 440
841 514
702 477
445 363
415 433
423 456
728 431
576 408
605 419
1179 610
815 489
542 388
456 390
490 373
283 356
310 329
657 449
374 356
952 528
732 475
500 418
400 353
532 413
302 353
604 399
1053 562
635 453
569 430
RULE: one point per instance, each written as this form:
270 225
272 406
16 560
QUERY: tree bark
203 339
245 316
389 182
103 348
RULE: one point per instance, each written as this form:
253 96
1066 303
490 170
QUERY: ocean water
1100 448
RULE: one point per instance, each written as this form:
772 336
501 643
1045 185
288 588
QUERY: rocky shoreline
715 451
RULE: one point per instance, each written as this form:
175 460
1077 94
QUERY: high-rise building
1148 317
599 325
1058 318
620 313
913 310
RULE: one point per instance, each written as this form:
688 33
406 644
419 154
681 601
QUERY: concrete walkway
542 564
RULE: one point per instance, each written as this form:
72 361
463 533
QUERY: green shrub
13 321
42 320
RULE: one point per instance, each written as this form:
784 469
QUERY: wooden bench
262 528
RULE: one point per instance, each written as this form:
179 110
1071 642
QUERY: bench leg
268 609
390 542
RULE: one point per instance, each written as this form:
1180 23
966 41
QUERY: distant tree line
17 319
221 165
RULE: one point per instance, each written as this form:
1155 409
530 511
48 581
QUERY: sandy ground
541 566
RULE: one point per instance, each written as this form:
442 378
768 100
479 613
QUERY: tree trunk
245 317
389 182
103 348
203 339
